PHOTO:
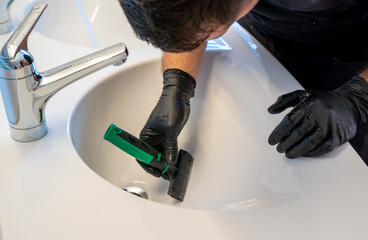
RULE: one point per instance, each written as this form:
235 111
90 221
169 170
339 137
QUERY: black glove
320 121
169 116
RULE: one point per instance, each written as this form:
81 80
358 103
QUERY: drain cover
137 191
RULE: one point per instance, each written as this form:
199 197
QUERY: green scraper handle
136 148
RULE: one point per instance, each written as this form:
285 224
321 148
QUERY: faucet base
29 134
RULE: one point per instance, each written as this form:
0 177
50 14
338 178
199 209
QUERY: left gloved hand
320 120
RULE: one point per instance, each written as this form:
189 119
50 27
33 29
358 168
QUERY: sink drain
137 191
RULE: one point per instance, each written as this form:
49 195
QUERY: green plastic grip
136 148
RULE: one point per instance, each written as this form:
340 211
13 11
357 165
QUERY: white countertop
48 192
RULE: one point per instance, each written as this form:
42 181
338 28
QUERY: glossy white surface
226 133
87 23
48 192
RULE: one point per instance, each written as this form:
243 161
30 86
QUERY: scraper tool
177 174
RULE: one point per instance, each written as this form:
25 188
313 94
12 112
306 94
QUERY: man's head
182 25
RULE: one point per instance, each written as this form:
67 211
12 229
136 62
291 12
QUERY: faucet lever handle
20 36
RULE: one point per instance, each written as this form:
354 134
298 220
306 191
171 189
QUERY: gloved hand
169 116
320 120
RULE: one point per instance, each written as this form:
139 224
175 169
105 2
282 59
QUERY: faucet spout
30 122
57 78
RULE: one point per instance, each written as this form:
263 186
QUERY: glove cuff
356 90
184 82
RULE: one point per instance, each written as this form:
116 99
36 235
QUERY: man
322 43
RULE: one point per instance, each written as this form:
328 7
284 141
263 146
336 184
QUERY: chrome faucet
5 23
25 91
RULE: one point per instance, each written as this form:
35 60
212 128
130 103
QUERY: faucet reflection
5 23
25 91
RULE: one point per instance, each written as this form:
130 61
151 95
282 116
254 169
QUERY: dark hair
178 25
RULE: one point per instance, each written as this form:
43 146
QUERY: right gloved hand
320 120
169 116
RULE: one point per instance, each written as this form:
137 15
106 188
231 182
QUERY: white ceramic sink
241 188
226 133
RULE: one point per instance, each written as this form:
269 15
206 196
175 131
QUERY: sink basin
226 133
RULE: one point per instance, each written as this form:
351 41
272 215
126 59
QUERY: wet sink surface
234 167
226 133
